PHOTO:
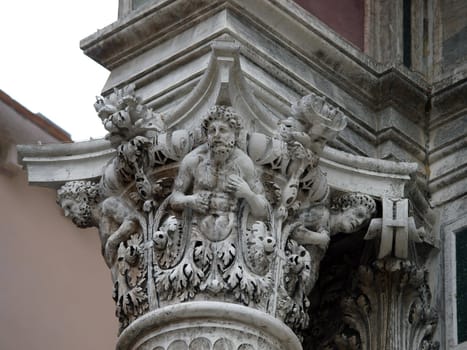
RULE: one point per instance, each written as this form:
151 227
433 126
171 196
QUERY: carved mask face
221 138
80 213
352 219
172 224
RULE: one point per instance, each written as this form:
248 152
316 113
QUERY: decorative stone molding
219 200
208 326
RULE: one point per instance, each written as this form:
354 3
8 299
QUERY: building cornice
286 23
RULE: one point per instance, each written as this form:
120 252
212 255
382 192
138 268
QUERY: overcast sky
42 66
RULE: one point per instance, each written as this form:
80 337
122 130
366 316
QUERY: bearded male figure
215 175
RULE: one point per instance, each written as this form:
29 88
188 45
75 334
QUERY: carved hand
199 201
238 186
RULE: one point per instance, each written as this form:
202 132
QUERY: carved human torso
210 179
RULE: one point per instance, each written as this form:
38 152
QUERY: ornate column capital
214 216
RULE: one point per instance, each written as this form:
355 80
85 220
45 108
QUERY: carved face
80 213
351 219
171 224
221 138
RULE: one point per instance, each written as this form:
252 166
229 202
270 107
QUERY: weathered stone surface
218 200
299 56
187 229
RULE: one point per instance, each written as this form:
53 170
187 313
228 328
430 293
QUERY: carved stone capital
393 297
218 213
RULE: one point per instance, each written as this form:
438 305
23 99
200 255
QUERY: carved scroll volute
396 230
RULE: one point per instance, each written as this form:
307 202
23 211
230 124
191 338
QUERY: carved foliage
298 278
215 231
217 267
124 117
390 308
130 292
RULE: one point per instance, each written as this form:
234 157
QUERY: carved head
222 127
260 230
78 199
351 212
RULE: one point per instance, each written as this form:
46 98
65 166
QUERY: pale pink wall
55 290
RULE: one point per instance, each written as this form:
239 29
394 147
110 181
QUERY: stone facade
258 163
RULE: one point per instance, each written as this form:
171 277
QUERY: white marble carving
391 286
218 200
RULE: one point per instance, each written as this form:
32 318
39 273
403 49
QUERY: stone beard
183 219
221 141
220 173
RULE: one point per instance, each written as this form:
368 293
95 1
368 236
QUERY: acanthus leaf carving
199 204
392 286
124 117
130 292
215 232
